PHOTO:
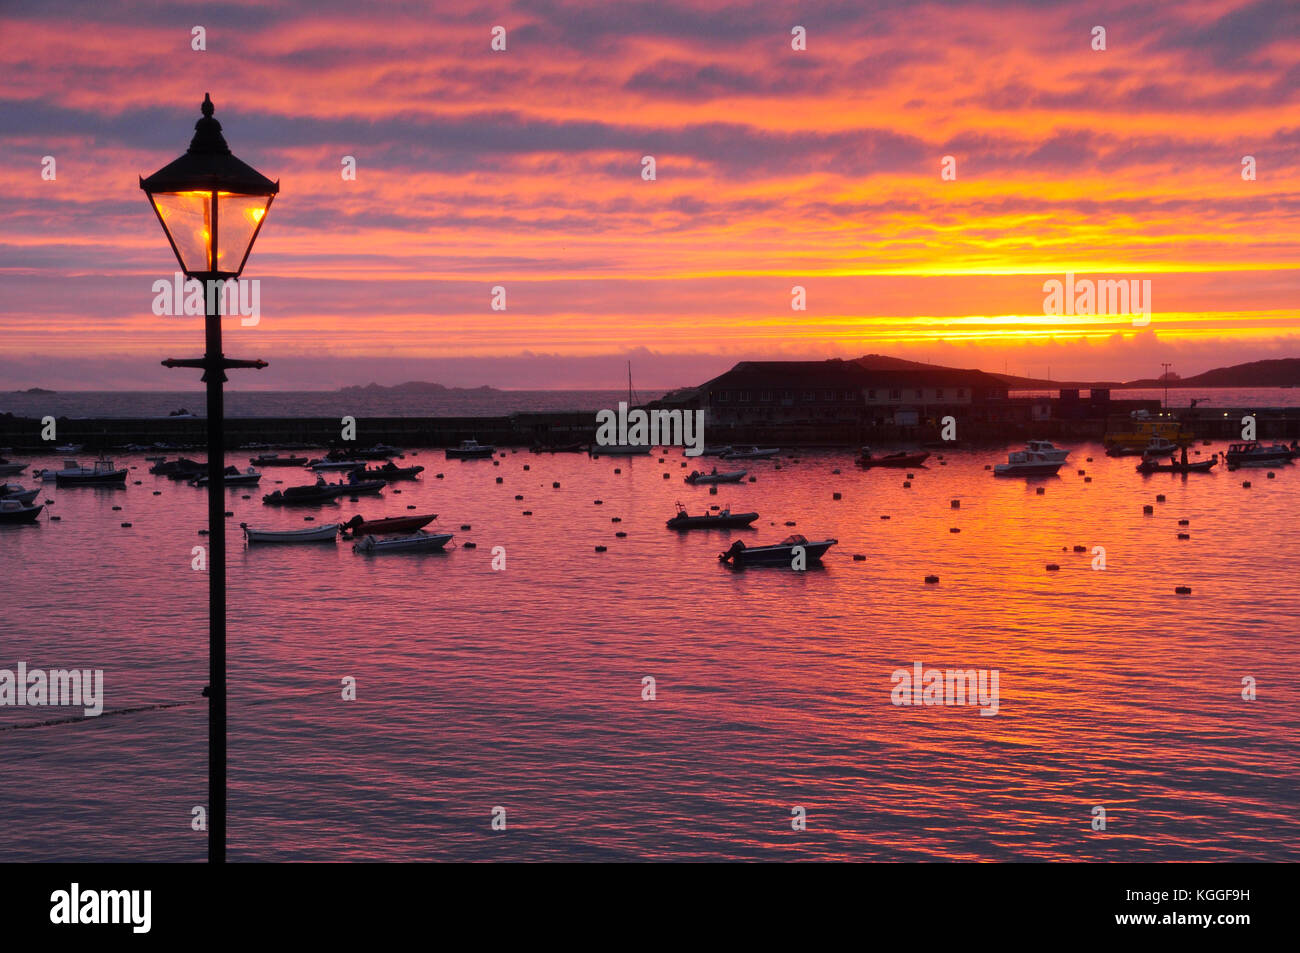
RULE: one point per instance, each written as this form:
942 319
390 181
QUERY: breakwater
560 428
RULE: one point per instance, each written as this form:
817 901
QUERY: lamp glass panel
187 216
237 221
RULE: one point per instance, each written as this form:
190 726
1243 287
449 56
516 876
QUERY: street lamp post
211 207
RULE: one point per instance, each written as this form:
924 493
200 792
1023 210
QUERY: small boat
1253 453
722 520
618 450
12 511
182 469
558 448
899 459
729 476
321 492
50 474
356 486
391 471
69 448
720 450
11 469
379 451
103 473
273 460
781 553
751 453
16 491
327 466
233 477
1124 450
1159 448
1048 450
327 533
416 543
1151 465
360 526
470 450
1028 463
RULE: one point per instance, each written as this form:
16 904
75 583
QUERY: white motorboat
751 453
420 542
326 533
1028 463
1047 449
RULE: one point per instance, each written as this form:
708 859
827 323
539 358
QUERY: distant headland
1282 372
416 387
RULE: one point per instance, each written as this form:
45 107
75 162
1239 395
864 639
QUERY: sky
821 168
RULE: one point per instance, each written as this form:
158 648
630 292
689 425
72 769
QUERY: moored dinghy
723 520
900 459
391 471
360 526
16 491
751 453
273 460
321 492
420 542
233 477
730 476
782 553
327 533
470 450
12 511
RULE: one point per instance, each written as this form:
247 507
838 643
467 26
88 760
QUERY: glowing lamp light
210 204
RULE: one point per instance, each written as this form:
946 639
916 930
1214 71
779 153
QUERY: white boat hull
415 543
1043 468
315 534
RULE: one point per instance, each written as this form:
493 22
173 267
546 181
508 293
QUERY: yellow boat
1137 431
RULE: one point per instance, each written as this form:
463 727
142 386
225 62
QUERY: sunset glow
774 167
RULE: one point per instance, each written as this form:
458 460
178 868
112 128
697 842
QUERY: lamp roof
208 165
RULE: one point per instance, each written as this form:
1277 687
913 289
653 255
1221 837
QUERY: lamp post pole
189 196
215 376
214 364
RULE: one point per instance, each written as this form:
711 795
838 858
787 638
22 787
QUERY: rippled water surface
522 688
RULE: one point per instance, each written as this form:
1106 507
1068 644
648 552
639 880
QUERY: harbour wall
530 429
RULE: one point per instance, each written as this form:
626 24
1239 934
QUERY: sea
465 403
534 697
312 403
